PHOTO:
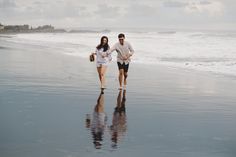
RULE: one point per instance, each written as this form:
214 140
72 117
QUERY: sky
203 14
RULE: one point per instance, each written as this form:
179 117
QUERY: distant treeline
42 29
27 29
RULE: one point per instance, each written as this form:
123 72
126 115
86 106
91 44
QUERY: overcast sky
215 14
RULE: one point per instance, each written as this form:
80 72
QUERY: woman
102 59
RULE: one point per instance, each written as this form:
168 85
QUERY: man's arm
112 49
130 49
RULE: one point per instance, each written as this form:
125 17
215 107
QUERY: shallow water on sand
50 105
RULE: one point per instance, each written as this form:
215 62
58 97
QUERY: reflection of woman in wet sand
119 126
98 122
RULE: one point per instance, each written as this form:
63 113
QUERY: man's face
121 40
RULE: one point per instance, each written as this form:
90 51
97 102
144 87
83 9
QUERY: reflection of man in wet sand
98 122
119 126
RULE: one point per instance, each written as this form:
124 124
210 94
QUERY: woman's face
104 41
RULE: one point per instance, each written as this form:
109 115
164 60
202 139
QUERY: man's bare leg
125 79
121 75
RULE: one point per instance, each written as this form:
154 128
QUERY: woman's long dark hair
105 47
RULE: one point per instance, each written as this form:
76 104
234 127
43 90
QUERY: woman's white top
100 59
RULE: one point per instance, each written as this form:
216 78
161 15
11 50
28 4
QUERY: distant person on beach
124 52
98 123
102 59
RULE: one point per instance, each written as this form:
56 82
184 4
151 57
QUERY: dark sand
46 100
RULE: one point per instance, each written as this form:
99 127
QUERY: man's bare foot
103 87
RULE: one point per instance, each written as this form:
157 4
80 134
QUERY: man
124 52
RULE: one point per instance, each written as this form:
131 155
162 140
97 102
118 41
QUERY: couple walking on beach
103 52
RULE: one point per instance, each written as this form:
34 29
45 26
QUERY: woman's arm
96 51
112 49
106 53
101 53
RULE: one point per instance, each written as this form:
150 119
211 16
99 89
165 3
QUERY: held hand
126 57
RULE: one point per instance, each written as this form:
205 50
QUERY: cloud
138 11
211 8
132 13
106 11
65 11
45 10
7 4
174 4
196 6
205 2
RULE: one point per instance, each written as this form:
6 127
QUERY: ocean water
209 51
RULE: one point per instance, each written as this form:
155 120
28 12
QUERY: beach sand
48 101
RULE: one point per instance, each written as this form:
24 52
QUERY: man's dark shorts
123 66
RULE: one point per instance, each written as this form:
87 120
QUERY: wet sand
51 105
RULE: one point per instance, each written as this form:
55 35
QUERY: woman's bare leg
103 78
99 73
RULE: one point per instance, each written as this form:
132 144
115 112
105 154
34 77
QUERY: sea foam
204 51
